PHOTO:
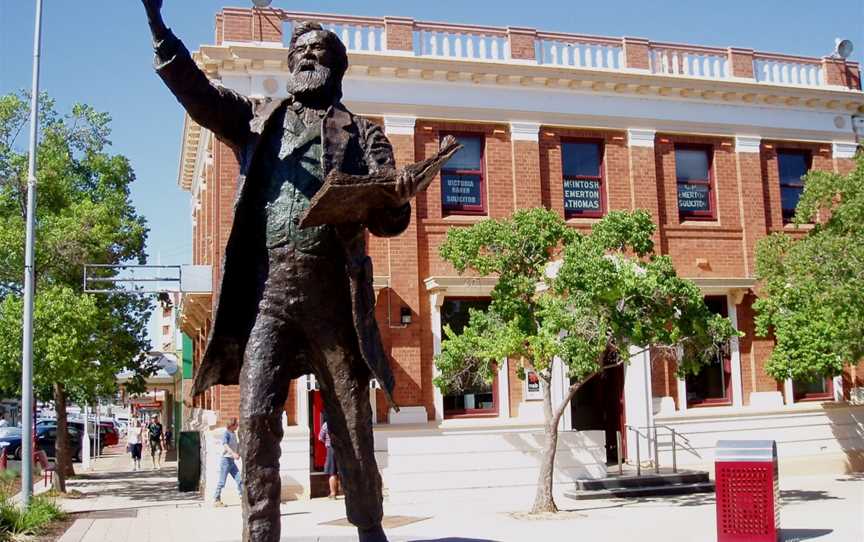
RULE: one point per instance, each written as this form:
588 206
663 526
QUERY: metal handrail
675 435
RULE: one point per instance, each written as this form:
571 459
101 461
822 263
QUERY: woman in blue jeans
227 463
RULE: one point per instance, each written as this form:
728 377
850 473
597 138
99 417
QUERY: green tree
84 215
584 299
813 288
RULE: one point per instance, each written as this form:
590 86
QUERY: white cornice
641 137
747 144
525 131
189 153
399 125
245 57
844 149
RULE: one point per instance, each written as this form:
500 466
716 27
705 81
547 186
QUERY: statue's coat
350 144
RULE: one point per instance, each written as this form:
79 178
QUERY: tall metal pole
29 278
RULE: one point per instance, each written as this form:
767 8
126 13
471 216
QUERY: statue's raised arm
220 110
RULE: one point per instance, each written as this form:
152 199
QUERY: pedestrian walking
228 465
330 467
133 444
156 436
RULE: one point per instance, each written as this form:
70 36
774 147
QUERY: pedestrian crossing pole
29 278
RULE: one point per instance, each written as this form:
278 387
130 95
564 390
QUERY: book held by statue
345 198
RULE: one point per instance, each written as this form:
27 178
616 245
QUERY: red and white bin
748 491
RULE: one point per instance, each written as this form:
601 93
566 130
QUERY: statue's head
317 61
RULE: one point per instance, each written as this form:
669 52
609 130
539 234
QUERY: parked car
47 438
11 436
108 434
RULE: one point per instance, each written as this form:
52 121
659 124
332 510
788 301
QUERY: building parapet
407 37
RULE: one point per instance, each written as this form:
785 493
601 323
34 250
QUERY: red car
109 434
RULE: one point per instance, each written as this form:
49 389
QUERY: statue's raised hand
152 6
154 17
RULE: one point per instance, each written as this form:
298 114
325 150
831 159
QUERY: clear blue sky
98 52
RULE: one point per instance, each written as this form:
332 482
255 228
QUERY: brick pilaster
643 176
400 33
266 26
525 137
838 72
235 23
741 62
843 154
405 341
636 54
522 43
751 200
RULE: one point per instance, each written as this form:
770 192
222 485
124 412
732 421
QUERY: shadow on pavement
140 486
787 496
795 535
805 495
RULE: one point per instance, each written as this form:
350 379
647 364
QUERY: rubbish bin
189 461
748 491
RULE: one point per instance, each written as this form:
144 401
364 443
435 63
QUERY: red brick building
710 141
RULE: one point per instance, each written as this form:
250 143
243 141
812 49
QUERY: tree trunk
62 446
544 501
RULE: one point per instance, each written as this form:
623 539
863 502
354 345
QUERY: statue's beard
314 84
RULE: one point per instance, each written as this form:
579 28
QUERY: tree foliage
84 215
585 299
813 288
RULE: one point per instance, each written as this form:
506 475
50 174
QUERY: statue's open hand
407 184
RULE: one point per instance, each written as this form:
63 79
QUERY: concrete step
647 491
647 479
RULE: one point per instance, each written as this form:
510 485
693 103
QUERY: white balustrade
361 38
467 45
581 54
788 72
690 63
492 44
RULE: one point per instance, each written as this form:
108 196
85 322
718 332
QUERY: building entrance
316 419
599 406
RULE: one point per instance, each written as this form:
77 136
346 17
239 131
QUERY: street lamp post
29 278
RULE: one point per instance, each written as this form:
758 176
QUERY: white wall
811 438
472 464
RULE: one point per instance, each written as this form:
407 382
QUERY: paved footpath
123 506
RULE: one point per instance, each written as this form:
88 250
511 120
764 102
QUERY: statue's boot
375 534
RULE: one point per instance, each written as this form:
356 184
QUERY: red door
319 452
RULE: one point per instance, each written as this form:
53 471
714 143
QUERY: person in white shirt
133 444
